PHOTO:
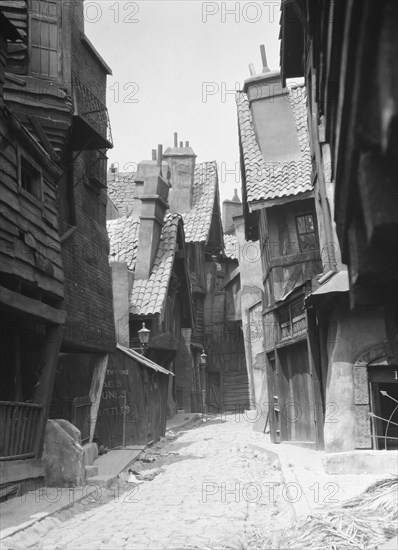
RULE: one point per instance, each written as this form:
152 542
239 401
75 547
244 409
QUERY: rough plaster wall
349 334
251 293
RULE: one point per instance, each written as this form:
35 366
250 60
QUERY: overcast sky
175 65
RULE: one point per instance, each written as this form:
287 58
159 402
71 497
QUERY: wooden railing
20 424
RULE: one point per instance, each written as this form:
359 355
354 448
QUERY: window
292 319
30 178
306 232
44 38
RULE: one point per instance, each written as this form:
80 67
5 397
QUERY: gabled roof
121 190
148 295
197 222
271 180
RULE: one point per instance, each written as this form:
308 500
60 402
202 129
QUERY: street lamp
203 362
143 335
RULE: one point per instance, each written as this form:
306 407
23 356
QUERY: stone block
361 462
63 456
91 471
90 451
70 429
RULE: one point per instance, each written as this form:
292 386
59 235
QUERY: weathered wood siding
30 245
135 396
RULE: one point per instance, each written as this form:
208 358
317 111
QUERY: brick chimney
153 198
275 126
181 161
231 208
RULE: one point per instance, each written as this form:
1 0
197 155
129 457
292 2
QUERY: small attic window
30 179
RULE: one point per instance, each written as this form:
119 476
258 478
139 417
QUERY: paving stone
192 503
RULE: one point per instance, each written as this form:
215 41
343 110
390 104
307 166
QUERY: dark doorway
213 392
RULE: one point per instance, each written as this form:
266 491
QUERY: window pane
36 60
53 43
53 64
309 223
307 242
52 9
44 62
301 224
35 31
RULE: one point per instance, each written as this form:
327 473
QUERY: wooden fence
20 424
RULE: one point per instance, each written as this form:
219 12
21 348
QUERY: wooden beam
32 308
97 383
44 391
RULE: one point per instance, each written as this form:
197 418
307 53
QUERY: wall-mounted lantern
144 335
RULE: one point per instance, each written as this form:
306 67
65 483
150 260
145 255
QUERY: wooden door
297 408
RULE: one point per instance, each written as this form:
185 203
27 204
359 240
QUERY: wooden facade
352 125
280 212
133 402
54 132
31 285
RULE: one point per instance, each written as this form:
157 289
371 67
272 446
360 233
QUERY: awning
338 283
143 360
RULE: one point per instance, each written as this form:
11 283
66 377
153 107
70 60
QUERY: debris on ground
171 435
362 523
149 475
147 459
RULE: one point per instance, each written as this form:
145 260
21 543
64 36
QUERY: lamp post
143 335
203 362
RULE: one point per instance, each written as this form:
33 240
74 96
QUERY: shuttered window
44 38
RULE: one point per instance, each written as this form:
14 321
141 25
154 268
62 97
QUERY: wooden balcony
20 426
91 127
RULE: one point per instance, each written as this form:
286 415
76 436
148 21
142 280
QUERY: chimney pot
153 154
252 70
160 158
181 144
175 139
264 59
187 144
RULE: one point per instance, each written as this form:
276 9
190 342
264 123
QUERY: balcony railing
91 126
20 424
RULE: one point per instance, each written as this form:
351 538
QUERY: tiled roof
123 240
148 295
270 180
231 246
197 222
121 189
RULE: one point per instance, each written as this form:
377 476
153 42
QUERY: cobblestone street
216 489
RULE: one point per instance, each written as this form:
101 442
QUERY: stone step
91 471
105 481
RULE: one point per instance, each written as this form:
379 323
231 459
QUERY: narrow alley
217 488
